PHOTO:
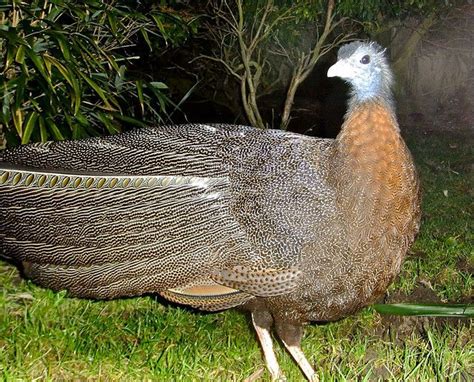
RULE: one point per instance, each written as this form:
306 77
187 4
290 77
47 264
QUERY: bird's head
365 67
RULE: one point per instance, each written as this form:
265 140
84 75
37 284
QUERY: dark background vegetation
77 69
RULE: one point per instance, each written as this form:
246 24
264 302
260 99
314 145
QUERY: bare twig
305 65
252 52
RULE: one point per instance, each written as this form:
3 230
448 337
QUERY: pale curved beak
340 69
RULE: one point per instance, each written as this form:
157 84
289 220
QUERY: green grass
48 336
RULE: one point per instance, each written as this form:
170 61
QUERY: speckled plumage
292 228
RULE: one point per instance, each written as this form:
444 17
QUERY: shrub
66 67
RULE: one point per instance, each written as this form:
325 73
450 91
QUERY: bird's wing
154 210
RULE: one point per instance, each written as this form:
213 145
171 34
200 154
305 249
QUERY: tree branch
306 64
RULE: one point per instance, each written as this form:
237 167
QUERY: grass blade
40 66
432 310
98 90
30 124
18 121
56 133
43 131
139 85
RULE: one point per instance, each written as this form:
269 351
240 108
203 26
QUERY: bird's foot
255 375
277 377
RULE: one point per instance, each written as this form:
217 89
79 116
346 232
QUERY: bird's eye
365 60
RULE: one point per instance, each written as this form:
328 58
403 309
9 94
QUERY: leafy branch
65 68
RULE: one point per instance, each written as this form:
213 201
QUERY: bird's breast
378 215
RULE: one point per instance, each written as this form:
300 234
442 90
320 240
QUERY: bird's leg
302 361
262 322
291 335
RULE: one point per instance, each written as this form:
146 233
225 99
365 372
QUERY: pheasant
290 228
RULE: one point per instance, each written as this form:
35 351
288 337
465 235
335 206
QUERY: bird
288 228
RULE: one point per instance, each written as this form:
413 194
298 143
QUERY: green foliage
66 67
367 13
373 14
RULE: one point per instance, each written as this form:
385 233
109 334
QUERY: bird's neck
374 160
377 189
370 138
374 90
